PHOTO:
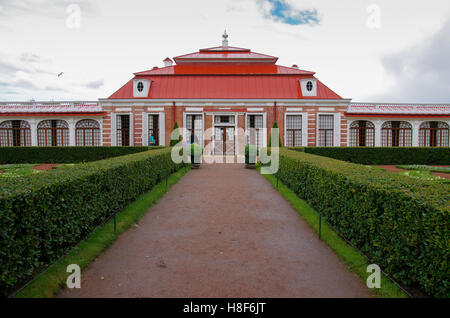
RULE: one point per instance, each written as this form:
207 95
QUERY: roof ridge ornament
225 40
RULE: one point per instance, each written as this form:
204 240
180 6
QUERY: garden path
221 231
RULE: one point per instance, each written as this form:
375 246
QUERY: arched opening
53 133
362 134
87 132
15 133
433 134
396 134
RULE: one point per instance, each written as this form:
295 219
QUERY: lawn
425 168
424 175
17 170
25 169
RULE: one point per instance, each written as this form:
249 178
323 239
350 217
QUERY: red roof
225 87
218 68
225 73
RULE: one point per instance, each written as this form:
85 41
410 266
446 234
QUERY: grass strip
351 257
50 281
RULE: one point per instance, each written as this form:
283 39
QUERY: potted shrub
196 152
250 155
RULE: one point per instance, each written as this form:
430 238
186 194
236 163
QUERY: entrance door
224 141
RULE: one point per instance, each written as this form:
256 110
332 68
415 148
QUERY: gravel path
222 231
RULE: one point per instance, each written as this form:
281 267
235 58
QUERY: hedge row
9 155
383 155
44 215
401 223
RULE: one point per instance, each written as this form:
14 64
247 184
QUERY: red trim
368 115
241 110
53 114
275 110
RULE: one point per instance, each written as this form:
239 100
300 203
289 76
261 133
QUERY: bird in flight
60 74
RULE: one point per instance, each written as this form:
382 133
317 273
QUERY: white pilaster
144 129
337 130
33 128
162 129
415 133
71 123
131 129
378 123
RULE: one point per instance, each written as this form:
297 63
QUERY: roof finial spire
225 39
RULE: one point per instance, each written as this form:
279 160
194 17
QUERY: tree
275 125
173 142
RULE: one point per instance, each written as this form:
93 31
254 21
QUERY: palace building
214 94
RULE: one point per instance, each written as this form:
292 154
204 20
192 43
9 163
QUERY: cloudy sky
386 51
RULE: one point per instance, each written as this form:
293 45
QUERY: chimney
168 62
295 66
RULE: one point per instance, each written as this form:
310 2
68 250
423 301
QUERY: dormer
141 87
308 87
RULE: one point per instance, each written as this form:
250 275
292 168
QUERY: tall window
153 130
396 134
255 129
87 132
433 134
194 129
362 134
53 133
326 130
15 133
123 130
293 130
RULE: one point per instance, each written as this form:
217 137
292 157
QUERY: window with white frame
153 130
293 130
194 129
255 126
87 133
326 131
53 133
123 130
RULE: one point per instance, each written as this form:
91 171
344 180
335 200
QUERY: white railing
374 108
49 107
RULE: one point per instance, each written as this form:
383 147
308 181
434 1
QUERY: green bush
383 155
44 215
401 223
10 155
269 145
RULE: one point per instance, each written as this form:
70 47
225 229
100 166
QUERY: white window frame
115 127
264 144
162 128
203 125
336 128
304 115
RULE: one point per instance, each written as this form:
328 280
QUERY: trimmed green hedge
9 155
44 215
383 155
401 223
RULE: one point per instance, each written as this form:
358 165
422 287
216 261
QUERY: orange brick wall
179 110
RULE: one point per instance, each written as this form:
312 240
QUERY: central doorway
224 141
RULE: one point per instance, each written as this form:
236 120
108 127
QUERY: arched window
53 133
15 133
396 134
362 134
433 134
87 132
